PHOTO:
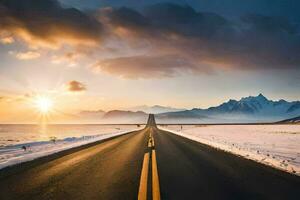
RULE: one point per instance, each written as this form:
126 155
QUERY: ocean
14 134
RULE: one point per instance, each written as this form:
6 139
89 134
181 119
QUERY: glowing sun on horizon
44 104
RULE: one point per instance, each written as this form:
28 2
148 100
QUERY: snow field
274 145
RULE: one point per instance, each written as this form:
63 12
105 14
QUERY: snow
274 145
14 154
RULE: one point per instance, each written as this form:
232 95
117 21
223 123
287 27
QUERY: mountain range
156 109
246 110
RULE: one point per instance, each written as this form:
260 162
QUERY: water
19 134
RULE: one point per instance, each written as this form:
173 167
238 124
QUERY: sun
44 104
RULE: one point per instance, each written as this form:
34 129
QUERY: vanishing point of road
146 164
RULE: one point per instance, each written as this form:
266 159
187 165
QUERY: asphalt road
146 164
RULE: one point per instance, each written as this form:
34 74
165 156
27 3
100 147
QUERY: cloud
144 66
75 86
166 21
69 58
46 23
10 98
163 40
7 40
205 41
29 55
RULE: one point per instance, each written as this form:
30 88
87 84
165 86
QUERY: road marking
150 143
155 180
142 195
144 179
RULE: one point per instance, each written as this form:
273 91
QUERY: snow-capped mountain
247 109
258 105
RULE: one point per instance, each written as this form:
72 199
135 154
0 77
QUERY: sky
112 54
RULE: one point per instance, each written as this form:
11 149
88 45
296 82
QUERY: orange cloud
172 38
204 42
47 24
75 86
29 55
7 40
146 67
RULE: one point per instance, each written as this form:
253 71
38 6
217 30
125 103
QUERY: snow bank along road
146 164
15 154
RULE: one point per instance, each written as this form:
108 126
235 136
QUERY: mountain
247 109
120 116
294 107
87 113
156 109
110 117
291 120
87 116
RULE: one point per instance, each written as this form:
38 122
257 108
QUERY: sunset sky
112 54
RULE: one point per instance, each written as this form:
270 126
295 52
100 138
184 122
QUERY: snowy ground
14 154
274 145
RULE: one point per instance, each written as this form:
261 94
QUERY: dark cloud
47 23
270 24
128 18
206 41
184 20
286 8
165 38
75 86
165 19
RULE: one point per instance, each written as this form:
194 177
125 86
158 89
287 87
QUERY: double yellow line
142 195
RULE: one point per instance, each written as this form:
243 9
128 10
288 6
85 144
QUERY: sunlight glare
44 104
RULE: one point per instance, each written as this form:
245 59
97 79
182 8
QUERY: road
146 164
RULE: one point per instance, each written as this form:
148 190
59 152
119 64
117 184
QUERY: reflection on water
16 134
42 130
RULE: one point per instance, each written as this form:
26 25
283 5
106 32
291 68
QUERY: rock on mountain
291 120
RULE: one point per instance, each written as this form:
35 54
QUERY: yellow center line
144 179
155 180
149 143
142 195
